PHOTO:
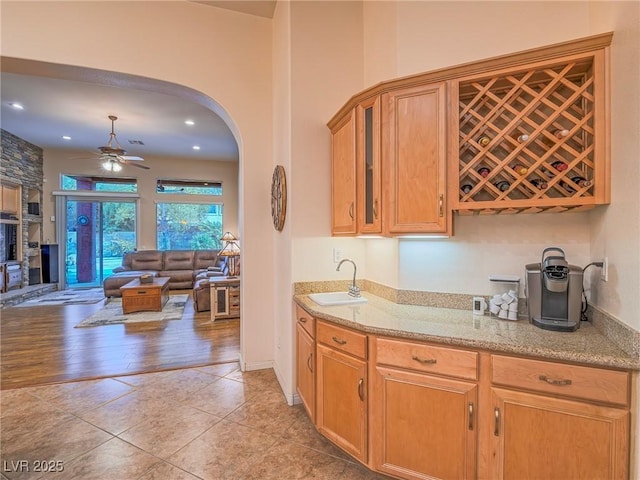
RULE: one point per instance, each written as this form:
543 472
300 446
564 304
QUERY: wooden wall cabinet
415 146
306 361
343 176
341 403
533 138
394 180
521 133
9 196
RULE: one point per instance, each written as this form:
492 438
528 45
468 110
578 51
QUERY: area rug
66 297
112 314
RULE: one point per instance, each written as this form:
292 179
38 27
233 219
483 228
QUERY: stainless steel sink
336 298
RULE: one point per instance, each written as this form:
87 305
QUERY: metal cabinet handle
375 208
142 292
309 362
496 426
470 415
551 381
302 320
424 361
440 205
351 210
339 341
361 389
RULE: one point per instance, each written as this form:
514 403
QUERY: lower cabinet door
341 407
539 437
423 427
305 368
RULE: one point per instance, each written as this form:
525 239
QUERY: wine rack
532 139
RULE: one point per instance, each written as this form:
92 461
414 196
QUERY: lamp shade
231 249
228 237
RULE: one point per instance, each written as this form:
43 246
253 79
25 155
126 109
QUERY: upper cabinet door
415 159
343 176
369 202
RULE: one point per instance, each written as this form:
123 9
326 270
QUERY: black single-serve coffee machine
554 292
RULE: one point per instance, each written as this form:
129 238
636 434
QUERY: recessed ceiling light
196 147
189 122
66 137
16 105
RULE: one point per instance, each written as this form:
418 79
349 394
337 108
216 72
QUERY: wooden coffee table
139 297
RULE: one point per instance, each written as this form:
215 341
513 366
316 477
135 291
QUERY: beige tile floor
212 422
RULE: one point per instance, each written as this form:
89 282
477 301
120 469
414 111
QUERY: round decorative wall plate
278 197
83 220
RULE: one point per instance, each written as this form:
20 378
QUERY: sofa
181 266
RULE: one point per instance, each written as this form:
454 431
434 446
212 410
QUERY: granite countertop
461 328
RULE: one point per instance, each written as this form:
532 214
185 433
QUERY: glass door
98 233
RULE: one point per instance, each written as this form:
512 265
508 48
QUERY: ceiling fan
113 155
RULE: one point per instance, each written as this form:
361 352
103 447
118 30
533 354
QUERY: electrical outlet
604 271
337 255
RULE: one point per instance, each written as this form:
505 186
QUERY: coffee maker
554 292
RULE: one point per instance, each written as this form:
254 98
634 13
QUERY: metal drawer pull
375 208
424 361
351 210
470 415
142 292
551 381
302 320
360 389
496 426
440 205
339 341
309 362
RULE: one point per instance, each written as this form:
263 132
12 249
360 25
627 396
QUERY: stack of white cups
505 306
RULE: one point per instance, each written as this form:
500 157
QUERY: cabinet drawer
306 321
342 339
427 358
588 383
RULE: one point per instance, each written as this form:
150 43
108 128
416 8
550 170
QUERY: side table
225 297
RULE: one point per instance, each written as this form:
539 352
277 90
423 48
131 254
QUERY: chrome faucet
354 291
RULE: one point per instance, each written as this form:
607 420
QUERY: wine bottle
560 166
522 138
484 172
466 188
581 181
539 183
578 180
484 141
561 133
502 185
520 169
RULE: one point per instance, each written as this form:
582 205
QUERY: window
189 226
188 187
98 184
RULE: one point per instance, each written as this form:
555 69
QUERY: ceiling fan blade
131 158
139 165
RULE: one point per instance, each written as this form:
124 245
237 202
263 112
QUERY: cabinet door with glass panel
368 184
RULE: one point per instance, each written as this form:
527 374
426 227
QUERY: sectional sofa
181 266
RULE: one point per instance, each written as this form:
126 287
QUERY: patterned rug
66 297
112 314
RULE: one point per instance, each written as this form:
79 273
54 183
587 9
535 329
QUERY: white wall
615 230
225 55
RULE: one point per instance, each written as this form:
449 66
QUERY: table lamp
231 249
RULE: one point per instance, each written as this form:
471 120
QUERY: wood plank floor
39 345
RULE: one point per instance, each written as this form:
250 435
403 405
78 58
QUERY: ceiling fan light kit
112 166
